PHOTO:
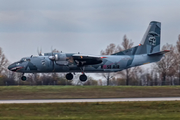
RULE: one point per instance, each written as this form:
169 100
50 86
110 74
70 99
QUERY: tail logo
152 41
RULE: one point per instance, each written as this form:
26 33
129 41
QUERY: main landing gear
82 77
69 76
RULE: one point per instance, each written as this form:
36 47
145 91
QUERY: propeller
53 58
40 52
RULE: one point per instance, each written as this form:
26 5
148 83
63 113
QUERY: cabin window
23 60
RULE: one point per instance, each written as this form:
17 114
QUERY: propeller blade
53 66
41 51
38 51
52 58
51 50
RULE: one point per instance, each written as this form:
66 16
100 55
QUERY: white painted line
89 100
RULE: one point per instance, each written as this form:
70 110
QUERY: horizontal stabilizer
159 53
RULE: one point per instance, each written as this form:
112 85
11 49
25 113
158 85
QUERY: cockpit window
23 60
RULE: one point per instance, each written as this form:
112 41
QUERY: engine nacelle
87 60
61 59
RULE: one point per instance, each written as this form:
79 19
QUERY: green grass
61 92
96 111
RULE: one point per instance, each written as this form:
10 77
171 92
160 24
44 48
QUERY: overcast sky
85 26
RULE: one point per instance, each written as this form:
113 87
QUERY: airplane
147 51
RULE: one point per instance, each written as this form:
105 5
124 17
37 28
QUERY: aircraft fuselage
110 63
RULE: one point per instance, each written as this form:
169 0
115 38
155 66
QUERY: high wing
79 59
82 59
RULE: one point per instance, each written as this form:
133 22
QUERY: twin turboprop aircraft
147 51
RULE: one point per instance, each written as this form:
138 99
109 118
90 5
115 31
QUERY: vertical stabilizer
151 40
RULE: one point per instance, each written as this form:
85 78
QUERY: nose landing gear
23 78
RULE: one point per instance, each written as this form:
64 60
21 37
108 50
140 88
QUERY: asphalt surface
89 100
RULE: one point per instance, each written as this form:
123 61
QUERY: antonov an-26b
147 51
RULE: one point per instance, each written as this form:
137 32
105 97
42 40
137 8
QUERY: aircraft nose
15 67
10 67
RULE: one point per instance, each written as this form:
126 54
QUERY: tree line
164 72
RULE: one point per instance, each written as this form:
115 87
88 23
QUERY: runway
89 100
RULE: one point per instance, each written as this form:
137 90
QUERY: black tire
69 76
23 78
83 78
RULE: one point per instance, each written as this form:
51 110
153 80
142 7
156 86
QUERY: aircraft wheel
23 78
69 76
83 78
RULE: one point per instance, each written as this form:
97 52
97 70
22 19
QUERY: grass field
60 92
92 111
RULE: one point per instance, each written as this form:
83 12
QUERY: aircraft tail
150 42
